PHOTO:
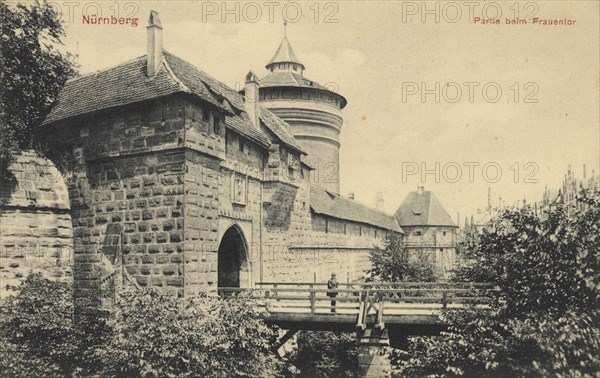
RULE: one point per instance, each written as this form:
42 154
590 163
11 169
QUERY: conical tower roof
284 54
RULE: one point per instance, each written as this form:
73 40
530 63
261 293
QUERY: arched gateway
233 265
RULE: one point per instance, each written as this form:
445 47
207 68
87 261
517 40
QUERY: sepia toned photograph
300 189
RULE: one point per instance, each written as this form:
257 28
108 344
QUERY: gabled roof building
422 208
429 229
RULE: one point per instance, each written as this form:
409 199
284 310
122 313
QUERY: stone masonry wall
154 187
128 170
35 223
436 243
319 254
201 223
205 142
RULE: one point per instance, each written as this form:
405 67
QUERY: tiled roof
422 208
191 76
284 54
124 84
244 126
326 203
197 80
305 160
290 79
127 83
279 128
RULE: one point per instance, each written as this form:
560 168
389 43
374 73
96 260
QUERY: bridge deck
308 305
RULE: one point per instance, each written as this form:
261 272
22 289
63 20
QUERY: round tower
312 111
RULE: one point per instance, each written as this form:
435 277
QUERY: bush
326 354
544 320
158 335
394 263
148 334
36 330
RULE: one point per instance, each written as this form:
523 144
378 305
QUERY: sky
516 103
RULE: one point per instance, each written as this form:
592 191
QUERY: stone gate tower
312 110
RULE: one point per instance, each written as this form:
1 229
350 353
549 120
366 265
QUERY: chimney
380 202
420 189
351 195
251 103
154 45
584 172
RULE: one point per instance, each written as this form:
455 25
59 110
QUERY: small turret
285 59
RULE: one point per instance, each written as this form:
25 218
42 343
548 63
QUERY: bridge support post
371 360
280 347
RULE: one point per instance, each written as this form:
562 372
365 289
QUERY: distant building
567 194
428 229
483 217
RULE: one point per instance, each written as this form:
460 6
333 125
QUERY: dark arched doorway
232 263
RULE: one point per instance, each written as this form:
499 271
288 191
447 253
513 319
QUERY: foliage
158 335
326 354
394 263
544 320
33 71
37 332
149 334
480 345
541 265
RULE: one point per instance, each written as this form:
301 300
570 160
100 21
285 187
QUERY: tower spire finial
284 27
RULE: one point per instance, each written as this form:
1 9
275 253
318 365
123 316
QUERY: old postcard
300 188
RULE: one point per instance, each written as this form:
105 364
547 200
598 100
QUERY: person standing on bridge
331 285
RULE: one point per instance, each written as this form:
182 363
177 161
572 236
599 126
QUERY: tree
148 334
395 263
544 319
154 334
326 354
37 333
33 71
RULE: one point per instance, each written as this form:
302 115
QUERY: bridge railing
365 298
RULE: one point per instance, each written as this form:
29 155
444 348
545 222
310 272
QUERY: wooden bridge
409 307
382 314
